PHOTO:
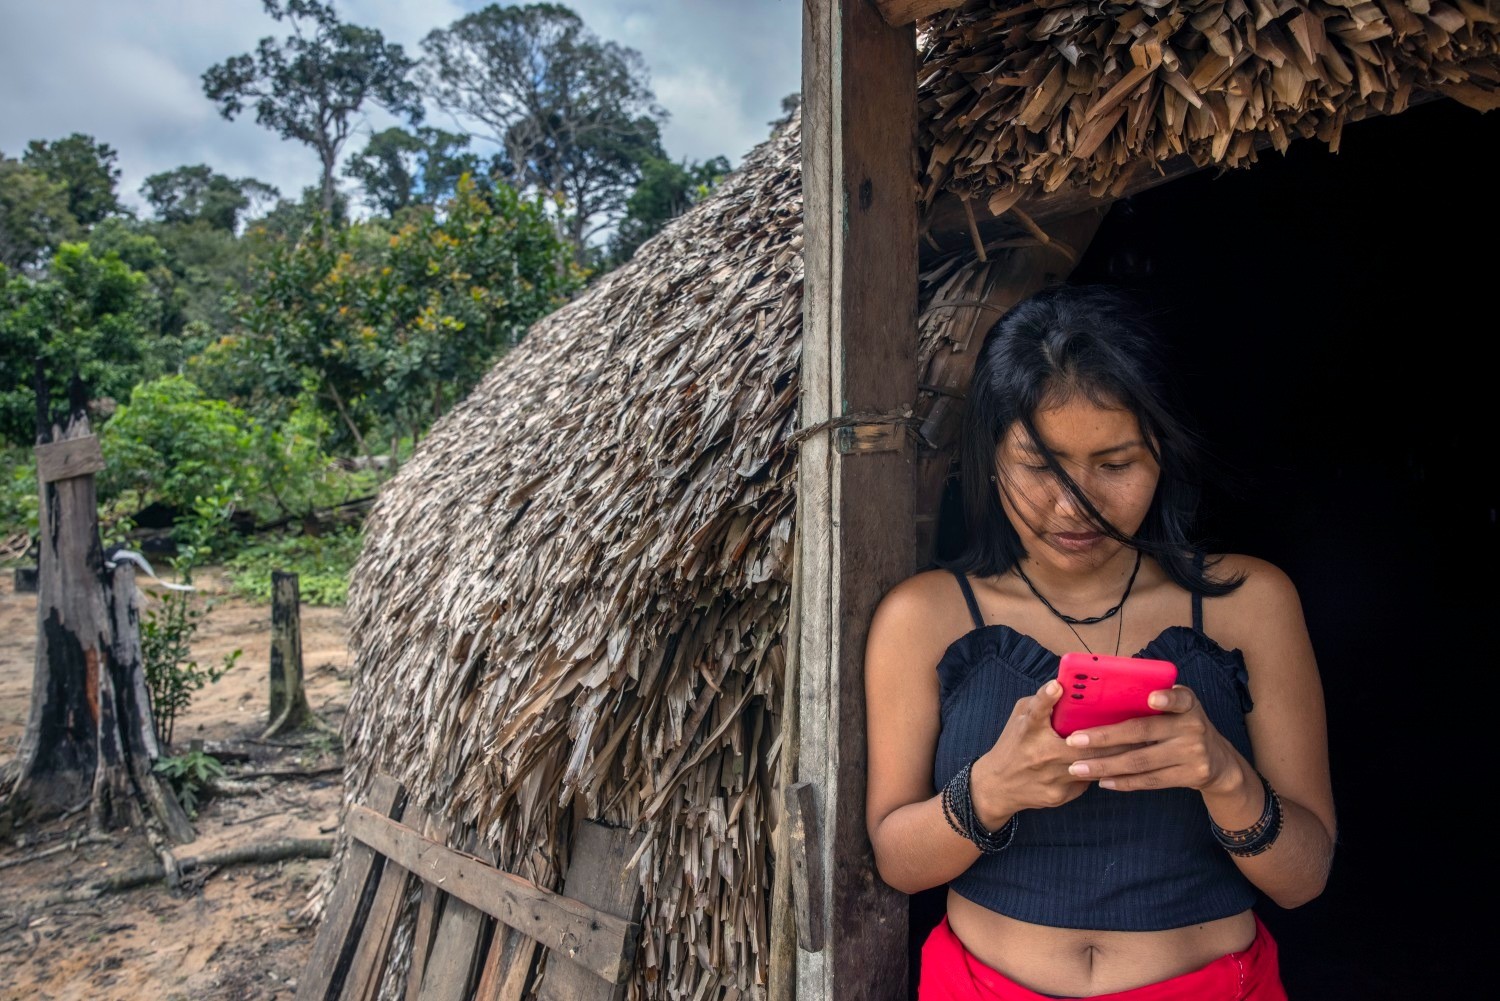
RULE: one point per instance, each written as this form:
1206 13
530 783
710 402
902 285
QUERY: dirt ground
236 932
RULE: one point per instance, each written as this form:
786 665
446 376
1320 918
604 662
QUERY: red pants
950 973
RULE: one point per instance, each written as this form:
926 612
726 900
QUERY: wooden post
855 524
289 708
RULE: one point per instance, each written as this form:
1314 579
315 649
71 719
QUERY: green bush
171 444
297 477
322 564
18 491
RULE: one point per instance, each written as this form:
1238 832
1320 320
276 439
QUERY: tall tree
87 170
93 316
197 193
398 169
665 191
34 216
312 85
574 116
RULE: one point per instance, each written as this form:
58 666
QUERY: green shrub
171 444
322 564
18 492
297 477
189 774
170 621
172 675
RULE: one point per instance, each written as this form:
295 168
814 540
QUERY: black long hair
1097 341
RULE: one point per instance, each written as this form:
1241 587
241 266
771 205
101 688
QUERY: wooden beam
458 947
429 909
368 964
855 527
899 13
591 938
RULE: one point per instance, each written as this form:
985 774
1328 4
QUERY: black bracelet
958 810
1258 836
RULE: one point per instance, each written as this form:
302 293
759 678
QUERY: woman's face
1104 451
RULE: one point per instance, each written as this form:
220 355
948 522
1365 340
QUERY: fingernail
1078 740
1078 768
1053 688
1157 701
1107 783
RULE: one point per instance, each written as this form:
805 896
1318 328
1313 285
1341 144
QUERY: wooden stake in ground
289 708
90 737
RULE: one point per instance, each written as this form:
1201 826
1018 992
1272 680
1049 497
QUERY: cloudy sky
128 73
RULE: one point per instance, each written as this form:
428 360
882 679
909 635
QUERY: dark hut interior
1332 309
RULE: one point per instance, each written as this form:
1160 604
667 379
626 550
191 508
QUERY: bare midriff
1080 963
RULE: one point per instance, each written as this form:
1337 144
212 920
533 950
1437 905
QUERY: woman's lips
1077 540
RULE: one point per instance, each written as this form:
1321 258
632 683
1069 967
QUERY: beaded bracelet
1258 836
958 810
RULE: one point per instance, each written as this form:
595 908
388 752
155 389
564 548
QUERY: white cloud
129 74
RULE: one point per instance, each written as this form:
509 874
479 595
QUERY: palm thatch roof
571 601
578 585
1054 93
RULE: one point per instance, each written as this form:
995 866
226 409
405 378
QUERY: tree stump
90 737
289 708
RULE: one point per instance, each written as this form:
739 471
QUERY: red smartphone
1099 689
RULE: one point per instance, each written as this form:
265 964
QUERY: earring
992 478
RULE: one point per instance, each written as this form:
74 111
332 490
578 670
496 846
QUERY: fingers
1036 710
1177 699
1048 694
1171 749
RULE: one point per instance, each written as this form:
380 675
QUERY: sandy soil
236 932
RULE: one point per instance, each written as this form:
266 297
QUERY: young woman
1123 861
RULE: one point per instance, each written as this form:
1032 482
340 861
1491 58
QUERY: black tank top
1120 861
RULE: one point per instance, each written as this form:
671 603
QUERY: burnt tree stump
90 737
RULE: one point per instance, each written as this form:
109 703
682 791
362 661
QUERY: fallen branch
295 773
235 787
87 839
270 851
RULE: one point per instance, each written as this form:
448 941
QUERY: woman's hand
1180 748
1027 768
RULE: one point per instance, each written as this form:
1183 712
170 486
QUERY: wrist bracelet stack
958 810
1258 836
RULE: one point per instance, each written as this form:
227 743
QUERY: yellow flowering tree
392 324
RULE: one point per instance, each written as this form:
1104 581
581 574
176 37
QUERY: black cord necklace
1070 621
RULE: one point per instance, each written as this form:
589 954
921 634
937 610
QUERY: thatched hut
578 599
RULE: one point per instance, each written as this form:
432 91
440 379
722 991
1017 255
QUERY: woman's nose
1067 505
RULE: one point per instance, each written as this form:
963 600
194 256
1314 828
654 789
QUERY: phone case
1099 689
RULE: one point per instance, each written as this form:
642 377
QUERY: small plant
325 743
189 774
167 628
172 675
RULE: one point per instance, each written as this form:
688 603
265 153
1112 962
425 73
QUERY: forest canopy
255 357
